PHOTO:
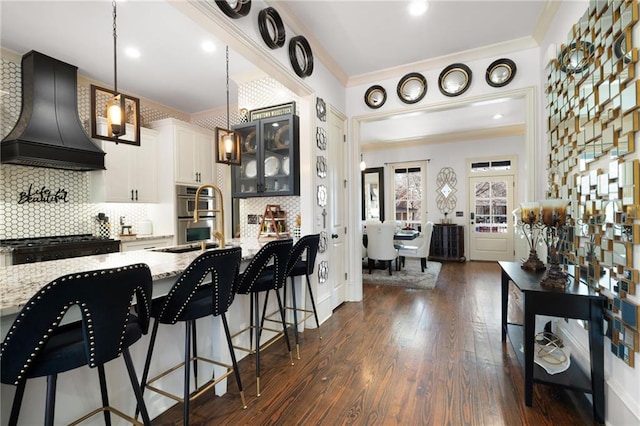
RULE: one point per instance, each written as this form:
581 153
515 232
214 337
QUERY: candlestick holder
528 222
553 220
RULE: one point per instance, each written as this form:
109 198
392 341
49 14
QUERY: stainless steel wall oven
189 231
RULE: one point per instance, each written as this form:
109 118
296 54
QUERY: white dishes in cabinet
271 166
285 165
251 169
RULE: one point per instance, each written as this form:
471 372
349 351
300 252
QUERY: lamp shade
227 147
530 211
554 211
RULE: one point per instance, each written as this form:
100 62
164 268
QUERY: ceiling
173 70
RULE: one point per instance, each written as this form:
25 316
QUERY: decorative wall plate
323 271
322 195
321 109
412 88
251 170
285 165
454 80
321 138
271 166
321 166
300 56
239 9
375 96
322 244
500 72
281 139
271 28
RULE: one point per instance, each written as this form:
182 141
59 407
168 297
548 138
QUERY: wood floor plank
398 357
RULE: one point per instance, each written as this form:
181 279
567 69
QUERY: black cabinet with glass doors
270 158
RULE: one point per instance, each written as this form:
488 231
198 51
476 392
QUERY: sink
185 249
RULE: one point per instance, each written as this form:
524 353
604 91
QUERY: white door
491 221
336 206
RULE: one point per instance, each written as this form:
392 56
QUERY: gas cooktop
28 250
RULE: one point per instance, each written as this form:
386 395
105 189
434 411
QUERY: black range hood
48 132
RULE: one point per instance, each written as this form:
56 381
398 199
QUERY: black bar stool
37 345
300 265
189 299
266 271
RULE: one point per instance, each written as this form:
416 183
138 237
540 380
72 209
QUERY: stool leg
295 314
105 395
234 362
256 314
49 412
187 368
147 363
313 304
195 352
264 313
136 387
17 402
284 326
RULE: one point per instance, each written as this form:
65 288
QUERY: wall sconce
227 147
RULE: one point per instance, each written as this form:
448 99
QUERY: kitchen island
20 282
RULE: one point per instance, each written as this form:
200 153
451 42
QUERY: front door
491 221
337 202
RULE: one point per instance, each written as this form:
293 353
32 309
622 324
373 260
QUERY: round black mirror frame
448 70
407 78
270 15
618 47
504 62
371 91
305 69
582 46
241 9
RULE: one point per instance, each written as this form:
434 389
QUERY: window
408 184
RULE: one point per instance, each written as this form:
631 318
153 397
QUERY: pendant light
363 165
228 145
115 106
121 110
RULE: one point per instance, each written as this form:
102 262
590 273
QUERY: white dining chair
419 247
380 244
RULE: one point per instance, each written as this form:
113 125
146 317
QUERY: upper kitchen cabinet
270 158
192 147
131 171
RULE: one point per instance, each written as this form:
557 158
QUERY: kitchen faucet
219 234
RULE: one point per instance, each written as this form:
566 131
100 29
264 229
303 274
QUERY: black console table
577 301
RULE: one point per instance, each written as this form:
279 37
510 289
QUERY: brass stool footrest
109 409
279 334
199 390
305 317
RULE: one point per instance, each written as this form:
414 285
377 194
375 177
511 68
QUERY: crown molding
494 132
545 19
498 49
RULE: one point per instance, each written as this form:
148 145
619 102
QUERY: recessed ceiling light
208 46
418 8
497 116
132 52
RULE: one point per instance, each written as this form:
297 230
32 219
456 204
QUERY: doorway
491 187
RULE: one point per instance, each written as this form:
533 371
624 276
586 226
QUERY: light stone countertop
19 283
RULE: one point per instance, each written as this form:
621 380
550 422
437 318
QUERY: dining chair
266 271
193 297
41 344
419 247
380 246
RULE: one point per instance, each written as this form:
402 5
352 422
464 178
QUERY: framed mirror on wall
373 194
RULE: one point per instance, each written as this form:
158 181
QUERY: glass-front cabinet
270 157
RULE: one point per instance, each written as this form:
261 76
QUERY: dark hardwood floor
399 357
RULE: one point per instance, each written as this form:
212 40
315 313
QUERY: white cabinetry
131 173
144 244
192 147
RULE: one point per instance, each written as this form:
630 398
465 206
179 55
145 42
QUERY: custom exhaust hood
48 132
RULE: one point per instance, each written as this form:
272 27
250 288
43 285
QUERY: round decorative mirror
375 96
234 9
576 57
622 49
300 56
500 72
412 88
271 27
454 80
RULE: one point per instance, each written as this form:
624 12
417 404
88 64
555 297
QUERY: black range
29 250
